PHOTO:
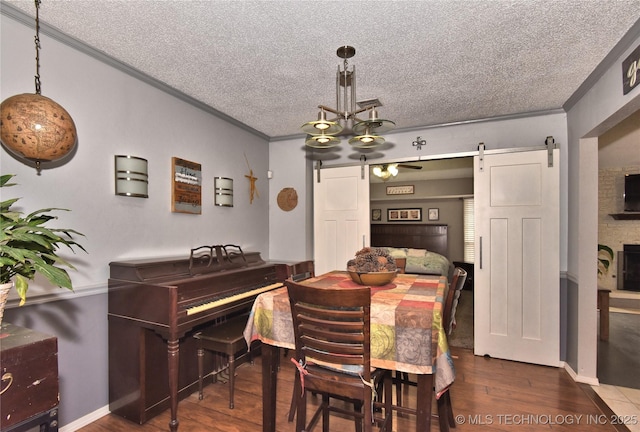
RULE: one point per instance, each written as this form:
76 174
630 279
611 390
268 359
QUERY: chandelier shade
374 123
322 126
346 119
321 141
366 141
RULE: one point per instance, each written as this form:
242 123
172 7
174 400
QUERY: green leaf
21 285
56 276
606 249
5 178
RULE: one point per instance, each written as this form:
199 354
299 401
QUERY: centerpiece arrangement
372 266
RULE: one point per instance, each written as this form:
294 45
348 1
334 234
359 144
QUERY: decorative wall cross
253 190
418 143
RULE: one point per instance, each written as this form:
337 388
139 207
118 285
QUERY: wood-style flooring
488 395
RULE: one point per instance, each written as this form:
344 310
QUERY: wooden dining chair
299 272
453 298
401 264
332 340
445 410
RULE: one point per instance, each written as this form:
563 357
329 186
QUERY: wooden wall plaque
186 190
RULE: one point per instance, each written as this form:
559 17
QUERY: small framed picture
434 214
403 215
400 190
376 215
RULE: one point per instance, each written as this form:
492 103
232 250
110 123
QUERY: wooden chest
29 372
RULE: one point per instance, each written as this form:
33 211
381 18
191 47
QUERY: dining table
407 335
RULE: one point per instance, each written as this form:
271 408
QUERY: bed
424 246
432 237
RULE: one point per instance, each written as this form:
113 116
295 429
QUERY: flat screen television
632 193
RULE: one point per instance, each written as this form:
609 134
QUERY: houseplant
28 248
605 257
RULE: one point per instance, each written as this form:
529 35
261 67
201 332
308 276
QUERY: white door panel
517 239
341 216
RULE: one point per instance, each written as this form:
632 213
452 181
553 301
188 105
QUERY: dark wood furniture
225 338
299 272
29 369
431 237
603 307
156 305
422 292
469 268
332 331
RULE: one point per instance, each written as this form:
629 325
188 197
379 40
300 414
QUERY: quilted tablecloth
406 323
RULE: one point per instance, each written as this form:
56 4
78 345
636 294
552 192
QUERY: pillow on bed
418 253
430 263
396 252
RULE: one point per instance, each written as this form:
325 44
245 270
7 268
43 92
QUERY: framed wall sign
400 190
434 214
404 215
186 186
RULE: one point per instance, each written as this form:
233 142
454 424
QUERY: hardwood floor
488 395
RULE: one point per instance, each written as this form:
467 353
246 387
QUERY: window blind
469 230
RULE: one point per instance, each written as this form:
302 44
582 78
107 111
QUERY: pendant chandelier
322 132
35 127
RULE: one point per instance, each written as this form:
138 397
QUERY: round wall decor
287 199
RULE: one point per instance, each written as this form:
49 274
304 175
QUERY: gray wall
116 113
442 142
441 194
601 106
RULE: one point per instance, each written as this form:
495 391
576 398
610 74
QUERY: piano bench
225 338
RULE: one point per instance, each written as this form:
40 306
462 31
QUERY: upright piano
154 307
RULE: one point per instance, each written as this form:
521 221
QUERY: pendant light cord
37 42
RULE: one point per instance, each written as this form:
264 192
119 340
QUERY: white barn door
516 274
341 216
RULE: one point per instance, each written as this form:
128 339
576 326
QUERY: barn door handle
480 252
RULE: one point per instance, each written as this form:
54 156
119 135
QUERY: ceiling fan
386 171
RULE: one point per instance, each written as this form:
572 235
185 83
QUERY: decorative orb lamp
37 128
33 126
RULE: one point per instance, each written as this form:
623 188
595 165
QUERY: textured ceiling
269 64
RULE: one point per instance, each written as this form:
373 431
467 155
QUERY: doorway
620 354
442 189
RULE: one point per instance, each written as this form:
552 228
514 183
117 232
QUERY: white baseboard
84 421
579 378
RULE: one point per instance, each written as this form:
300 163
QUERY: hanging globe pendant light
37 128
33 126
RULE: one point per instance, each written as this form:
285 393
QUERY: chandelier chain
37 43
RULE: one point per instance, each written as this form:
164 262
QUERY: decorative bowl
373 278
